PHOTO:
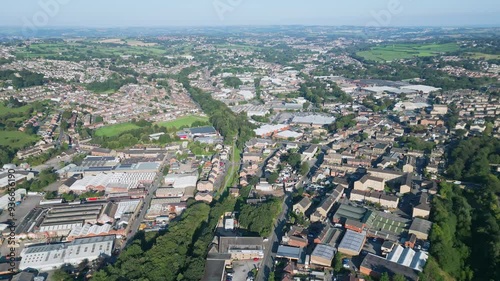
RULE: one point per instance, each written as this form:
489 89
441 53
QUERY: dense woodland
230 125
465 237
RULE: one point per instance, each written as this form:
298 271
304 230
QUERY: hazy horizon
215 13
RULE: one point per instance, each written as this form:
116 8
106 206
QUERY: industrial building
323 255
52 256
242 248
352 243
375 266
408 257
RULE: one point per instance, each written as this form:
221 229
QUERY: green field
69 50
406 51
17 139
6 110
483 56
114 130
183 121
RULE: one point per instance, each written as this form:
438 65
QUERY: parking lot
23 209
242 269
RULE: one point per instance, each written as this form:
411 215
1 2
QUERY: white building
52 256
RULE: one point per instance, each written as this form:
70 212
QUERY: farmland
406 51
183 121
114 130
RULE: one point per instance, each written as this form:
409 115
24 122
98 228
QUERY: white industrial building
111 180
52 256
18 196
181 181
408 257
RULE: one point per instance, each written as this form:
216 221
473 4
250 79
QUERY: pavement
242 269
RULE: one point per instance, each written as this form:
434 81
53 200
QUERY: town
257 157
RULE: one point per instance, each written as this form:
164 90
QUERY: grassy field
483 56
6 110
114 130
93 49
406 51
17 139
183 121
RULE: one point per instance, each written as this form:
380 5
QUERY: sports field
17 139
406 51
183 121
114 130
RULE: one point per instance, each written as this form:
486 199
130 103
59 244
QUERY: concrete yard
242 269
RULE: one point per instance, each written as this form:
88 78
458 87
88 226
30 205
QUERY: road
271 247
146 202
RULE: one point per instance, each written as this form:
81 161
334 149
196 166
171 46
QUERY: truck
142 226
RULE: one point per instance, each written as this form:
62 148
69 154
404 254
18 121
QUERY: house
409 164
422 209
302 206
309 153
204 196
420 228
205 186
325 207
380 148
406 184
368 182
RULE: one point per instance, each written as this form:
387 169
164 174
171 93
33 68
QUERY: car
266 239
255 259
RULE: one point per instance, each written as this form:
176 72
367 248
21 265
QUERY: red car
255 259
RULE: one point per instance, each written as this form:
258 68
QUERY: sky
144 13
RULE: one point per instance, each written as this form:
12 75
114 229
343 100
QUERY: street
146 202
271 247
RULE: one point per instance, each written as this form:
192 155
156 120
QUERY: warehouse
375 266
313 120
408 257
181 181
352 243
323 255
291 253
52 256
420 228
59 221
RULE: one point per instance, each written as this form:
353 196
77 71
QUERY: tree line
465 237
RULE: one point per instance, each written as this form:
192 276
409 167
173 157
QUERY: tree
272 178
399 277
304 168
61 275
385 277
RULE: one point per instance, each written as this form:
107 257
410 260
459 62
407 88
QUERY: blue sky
115 13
